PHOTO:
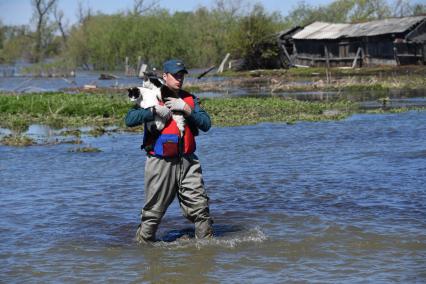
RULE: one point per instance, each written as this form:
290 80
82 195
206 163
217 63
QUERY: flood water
335 202
39 84
29 84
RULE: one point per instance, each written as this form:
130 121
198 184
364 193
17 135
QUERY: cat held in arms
150 95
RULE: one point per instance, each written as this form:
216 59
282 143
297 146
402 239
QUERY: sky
19 12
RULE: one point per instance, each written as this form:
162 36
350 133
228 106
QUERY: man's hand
178 104
163 112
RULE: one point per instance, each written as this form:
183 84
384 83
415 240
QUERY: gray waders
164 179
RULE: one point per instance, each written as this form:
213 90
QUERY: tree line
201 37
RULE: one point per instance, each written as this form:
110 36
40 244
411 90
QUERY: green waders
164 179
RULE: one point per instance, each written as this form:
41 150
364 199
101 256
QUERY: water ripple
338 201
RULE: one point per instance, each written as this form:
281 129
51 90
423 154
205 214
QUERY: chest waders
166 177
180 157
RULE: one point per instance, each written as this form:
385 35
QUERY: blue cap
174 66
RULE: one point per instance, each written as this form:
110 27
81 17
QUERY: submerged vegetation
380 71
17 140
87 149
249 110
382 78
60 110
104 113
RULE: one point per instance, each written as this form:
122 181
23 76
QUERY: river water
324 202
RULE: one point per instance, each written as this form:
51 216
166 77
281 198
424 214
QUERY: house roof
288 32
419 38
322 30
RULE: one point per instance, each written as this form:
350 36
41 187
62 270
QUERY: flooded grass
87 149
315 79
60 104
252 110
336 71
284 84
97 131
104 113
17 140
393 110
60 110
71 132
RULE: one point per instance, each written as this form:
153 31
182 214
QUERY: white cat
149 95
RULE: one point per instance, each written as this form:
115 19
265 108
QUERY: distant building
394 41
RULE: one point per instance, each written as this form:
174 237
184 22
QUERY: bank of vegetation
60 110
383 78
104 113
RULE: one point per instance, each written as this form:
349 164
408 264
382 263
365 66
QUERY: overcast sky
19 12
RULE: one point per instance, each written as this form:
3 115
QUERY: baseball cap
174 66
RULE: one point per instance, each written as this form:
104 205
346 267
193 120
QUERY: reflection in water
338 201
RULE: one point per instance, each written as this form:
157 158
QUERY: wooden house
394 41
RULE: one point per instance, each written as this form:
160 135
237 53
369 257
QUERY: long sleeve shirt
199 118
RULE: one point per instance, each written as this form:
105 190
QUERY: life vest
169 143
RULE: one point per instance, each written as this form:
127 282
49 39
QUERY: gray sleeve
137 116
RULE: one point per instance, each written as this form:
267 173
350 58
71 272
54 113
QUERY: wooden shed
394 41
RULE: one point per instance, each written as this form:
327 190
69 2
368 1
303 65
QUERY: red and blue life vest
169 142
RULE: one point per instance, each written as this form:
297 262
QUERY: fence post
356 57
327 67
126 66
222 65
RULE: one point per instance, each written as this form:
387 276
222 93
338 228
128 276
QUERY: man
171 166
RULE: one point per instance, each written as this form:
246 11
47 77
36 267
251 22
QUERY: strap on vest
154 134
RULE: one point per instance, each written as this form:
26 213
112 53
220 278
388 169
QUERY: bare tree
404 8
41 14
140 6
59 19
83 14
231 7
364 10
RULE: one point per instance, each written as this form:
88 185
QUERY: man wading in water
171 166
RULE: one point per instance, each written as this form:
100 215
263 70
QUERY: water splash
253 235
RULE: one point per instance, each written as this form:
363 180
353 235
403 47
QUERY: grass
17 140
248 110
106 107
87 149
335 71
314 79
60 110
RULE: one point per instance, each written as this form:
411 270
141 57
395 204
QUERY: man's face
174 81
